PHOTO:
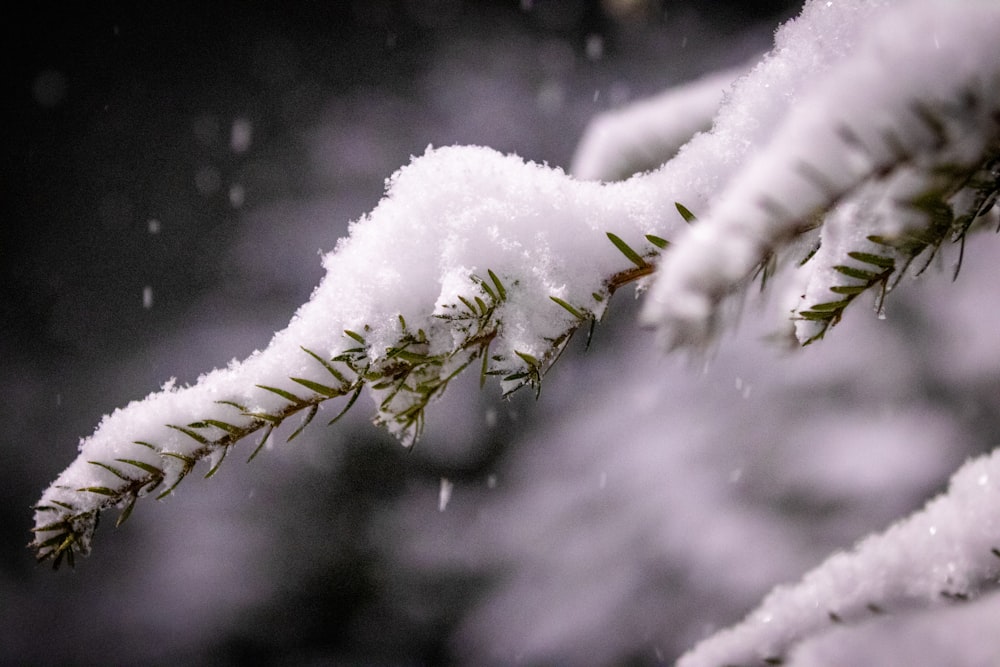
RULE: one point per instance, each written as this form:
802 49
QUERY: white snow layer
647 133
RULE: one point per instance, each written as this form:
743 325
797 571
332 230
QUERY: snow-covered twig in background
947 552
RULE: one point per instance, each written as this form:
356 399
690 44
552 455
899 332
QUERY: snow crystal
240 135
594 47
444 495
237 195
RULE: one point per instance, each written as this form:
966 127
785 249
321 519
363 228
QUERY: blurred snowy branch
886 151
647 133
948 552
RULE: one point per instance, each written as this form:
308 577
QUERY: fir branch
405 377
948 209
73 527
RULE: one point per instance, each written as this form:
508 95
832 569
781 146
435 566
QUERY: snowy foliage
884 148
865 139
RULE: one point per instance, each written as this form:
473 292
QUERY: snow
444 495
240 135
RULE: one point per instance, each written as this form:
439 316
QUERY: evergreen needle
572 311
627 250
688 216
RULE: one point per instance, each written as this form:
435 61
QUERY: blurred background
173 170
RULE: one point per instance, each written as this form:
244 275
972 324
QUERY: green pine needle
530 360
126 511
198 437
102 490
231 429
880 261
215 468
860 274
305 422
660 243
501 290
572 311
356 336
321 389
114 471
688 216
327 365
627 250
350 402
287 395
142 465
260 445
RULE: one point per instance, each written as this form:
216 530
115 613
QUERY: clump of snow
645 134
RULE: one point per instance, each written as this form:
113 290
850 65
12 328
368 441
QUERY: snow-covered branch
895 146
948 552
471 255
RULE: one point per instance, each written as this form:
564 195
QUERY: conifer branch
404 377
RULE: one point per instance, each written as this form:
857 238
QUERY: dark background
144 237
